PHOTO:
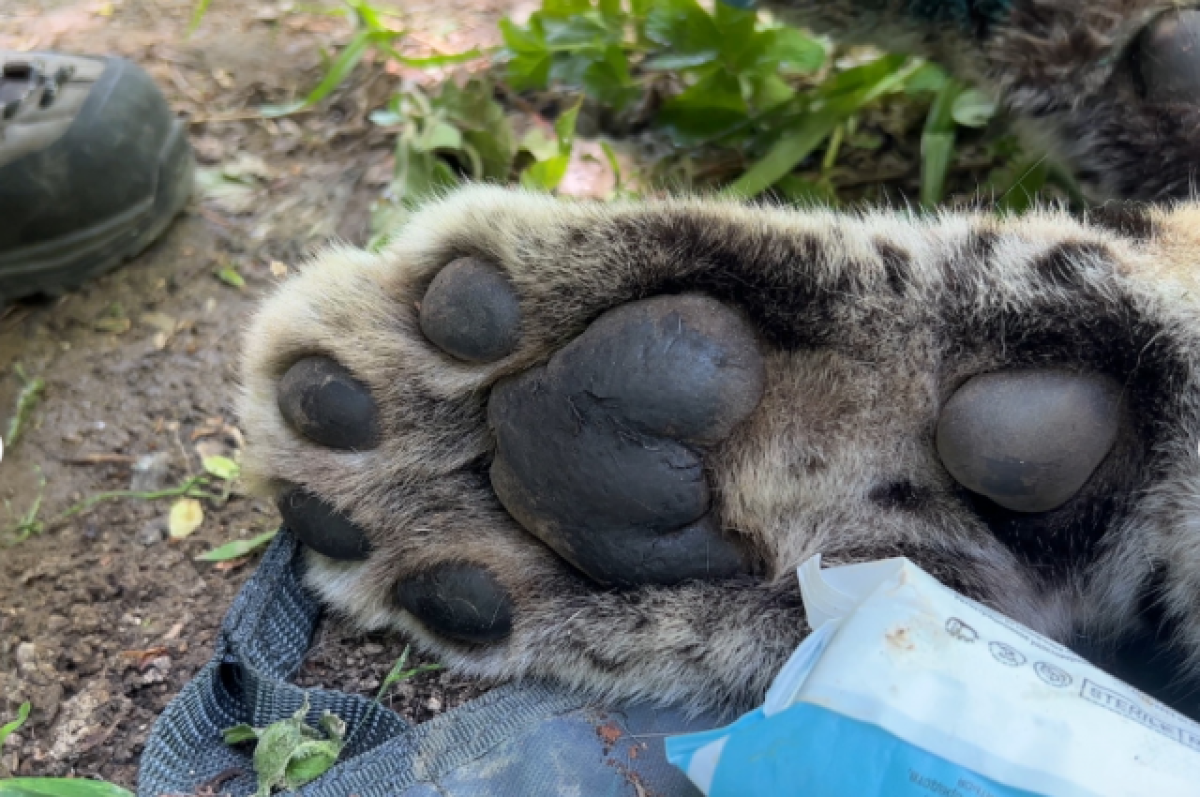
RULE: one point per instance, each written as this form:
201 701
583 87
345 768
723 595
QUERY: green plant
31 392
10 728
371 33
462 132
290 753
237 548
767 91
400 672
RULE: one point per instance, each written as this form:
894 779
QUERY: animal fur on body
1069 72
868 323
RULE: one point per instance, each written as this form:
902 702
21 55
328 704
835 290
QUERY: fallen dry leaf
231 564
144 658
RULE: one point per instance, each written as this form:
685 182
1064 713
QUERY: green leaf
928 77
713 106
937 144
440 136
310 761
786 155
60 787
615 165
575 33
530 71
290 753
222 467
236 549
740 45
230 276
611 10
937 151
433 61
365 15
843 96
678 62
239 733
768 90
608 80
522 40
791 49
565 8
339 70
564 128
8 729
683 27
973 108
862 84
546 175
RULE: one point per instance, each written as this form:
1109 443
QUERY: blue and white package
907 689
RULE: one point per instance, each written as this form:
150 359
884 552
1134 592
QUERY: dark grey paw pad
1029 440
471 312
598 453
322 528
325 403
458 601
1167 58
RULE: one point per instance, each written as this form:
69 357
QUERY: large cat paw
1111 88
592 442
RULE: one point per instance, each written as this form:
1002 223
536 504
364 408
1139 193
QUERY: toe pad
1168 58
471 312
322 401
458 601
1028 440
322 528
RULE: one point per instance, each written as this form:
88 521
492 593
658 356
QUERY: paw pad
596 451
1028 440
458 601
321 527
1168 58
322 401
471 312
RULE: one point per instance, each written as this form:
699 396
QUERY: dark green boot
93 167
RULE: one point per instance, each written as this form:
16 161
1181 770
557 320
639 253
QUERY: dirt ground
103 618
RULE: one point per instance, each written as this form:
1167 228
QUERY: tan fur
850 405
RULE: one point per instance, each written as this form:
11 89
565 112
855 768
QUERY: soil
103 617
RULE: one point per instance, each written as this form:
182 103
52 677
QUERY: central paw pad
600 453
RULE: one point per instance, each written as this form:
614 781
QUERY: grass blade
787 153
339 70
9 728
851 91
937 143
197 16
236 549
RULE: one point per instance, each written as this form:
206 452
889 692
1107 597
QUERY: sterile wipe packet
907 689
